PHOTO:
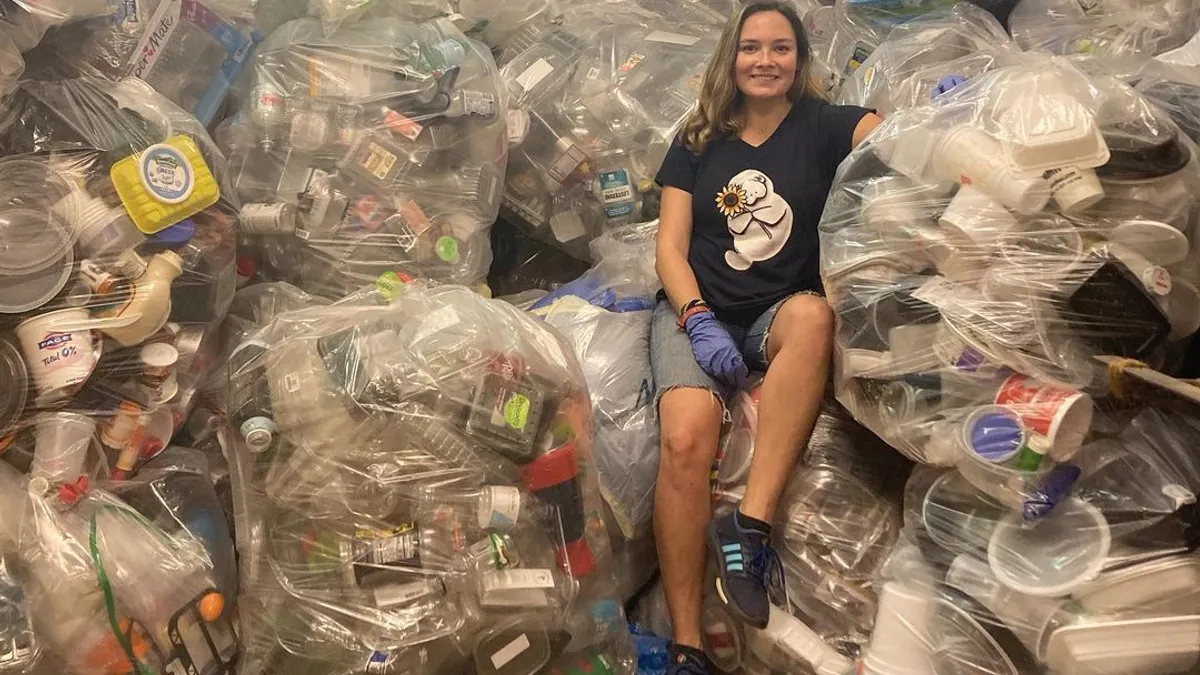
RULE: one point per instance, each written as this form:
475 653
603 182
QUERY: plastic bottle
616 189
150 303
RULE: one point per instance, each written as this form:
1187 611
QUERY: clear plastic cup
1055 555
61 449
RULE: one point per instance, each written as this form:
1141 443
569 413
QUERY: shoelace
690 667
766 568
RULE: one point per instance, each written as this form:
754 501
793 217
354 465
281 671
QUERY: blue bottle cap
176 235
996 436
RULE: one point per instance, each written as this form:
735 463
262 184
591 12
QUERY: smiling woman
737 252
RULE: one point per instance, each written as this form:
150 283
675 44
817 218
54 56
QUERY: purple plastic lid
176 235
996 436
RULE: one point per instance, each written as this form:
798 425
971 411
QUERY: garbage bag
1108 28
379 148
415 490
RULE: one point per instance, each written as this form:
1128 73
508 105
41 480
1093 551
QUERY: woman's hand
715 351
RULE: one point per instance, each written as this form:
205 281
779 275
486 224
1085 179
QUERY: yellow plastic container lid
165 183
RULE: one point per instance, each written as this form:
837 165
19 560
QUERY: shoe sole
715 549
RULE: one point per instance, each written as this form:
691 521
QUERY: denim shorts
674 365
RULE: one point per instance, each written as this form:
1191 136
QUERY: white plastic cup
158 371
61 448
1058 418
974 219
1074 188
900 641
974 158
58 351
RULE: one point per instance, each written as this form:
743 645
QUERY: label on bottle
672 38
397 595
480 103
566 163
500 507
511 410
377 160
511 579
617 193
860 54
166 174
534 74
510 651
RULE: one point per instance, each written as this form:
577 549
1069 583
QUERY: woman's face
766 59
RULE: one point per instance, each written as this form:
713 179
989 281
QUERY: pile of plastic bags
116 264
416 490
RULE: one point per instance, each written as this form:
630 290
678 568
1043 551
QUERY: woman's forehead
767 27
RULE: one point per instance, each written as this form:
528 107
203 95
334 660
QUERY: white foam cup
900 641
61 447
58 349
974 219
1074 188
974 158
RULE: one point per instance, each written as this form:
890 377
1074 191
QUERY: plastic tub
1009 486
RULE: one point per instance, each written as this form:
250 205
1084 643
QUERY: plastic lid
1056 555
176 235
1160 243
27 291
16 379
1158 645
31 240
994 433
159 355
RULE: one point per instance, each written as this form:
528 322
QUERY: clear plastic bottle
615 187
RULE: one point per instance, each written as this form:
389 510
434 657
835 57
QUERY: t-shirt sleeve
679 168
837 124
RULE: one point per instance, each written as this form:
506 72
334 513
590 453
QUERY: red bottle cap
555 467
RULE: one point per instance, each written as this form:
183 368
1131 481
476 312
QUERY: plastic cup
958 517
722 637
1027 616
1010 486
900 640
58 351
974 158
973 219
61 448
1074 188
1054 556
1058 418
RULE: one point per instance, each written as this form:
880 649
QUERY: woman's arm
865 126
671 248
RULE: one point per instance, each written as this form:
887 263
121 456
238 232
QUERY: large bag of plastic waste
599 96
378 148
416 493
907 68
116 264
1107 28
980 250
106 590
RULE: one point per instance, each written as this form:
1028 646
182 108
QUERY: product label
566 163
402 125
510 651
150 46
397 547
481 103
534 74
377 161
511 410
397 595
379 662
414 217
447 249
861 52
1038 404
390 284
512 579
57 349
617 193
166 173
672 38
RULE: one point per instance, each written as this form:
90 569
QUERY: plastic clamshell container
1038 139
165 183
1157 646
1152 583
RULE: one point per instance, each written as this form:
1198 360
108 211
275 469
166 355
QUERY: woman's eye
748 49
782 49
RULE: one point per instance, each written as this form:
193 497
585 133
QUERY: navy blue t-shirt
755 210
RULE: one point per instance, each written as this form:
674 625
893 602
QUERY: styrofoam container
1151 583
1157 646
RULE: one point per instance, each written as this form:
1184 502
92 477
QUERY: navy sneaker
687 661
747 567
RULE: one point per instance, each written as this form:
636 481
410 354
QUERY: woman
737 253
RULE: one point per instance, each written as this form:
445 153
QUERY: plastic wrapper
1108 28
596 100
415 493
905 69
379 148
106 590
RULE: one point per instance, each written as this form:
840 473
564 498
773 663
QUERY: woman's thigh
690 404
805 317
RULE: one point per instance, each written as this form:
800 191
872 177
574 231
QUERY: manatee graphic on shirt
758 218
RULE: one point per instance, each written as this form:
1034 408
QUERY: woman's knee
690 427
804 319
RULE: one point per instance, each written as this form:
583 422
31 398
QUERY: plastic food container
165 183
1056 555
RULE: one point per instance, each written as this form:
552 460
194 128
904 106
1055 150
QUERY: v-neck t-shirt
755 209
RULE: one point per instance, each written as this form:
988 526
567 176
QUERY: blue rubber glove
715 351
947 83
590 287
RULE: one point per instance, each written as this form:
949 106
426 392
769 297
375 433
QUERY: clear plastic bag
378 148
1108 28
418 476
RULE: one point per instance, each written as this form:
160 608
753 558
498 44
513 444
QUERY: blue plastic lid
176 235
996 436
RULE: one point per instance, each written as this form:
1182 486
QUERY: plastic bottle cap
176 235
212 606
